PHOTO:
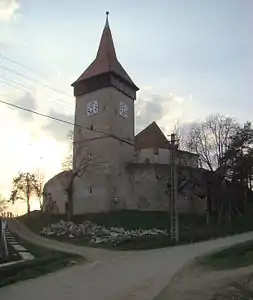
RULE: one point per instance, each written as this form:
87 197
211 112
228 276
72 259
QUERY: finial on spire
107 21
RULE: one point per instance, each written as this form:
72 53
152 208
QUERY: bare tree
67 163
179 131
39 185
85 162
211 138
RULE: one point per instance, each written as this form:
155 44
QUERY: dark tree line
225 150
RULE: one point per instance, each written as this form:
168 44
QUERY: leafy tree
23 187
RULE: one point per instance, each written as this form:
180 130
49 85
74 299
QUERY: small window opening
147 160
90 189
91 127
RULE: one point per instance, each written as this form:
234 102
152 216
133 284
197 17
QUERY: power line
67 122
36 81
18 63
50 87
29 78
22 87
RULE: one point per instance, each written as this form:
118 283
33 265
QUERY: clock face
92 108
123 109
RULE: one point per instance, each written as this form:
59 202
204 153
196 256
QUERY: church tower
104 121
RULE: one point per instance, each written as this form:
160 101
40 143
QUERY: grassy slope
240 255
192 227
46 261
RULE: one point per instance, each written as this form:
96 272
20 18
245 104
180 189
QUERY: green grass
46 261
240 255
126 219
192 227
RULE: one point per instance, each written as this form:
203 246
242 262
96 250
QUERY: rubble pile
97 234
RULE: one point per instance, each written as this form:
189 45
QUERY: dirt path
113 275
195 282
92 254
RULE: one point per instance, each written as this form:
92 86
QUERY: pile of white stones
97 234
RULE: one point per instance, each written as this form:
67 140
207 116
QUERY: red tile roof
151 137
106 60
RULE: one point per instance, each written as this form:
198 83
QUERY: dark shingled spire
106 60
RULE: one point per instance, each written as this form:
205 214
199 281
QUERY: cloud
59 130
148 110
164 109
8 9
26 101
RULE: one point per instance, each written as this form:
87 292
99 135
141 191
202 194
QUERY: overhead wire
48 86
67 122
21 86
36 81
4 56
25 88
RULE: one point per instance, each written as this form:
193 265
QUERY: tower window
90 189
91 127
92 108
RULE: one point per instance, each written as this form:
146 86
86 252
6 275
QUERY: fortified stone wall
137 186
54 193
150 188
162 156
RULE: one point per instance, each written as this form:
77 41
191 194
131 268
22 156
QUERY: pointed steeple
106 60
106 50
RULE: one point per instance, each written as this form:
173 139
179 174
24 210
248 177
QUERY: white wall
162 156
55 191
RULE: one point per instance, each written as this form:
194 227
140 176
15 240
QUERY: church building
114 168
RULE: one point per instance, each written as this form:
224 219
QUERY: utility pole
174 230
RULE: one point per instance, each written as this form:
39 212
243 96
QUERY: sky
190 59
